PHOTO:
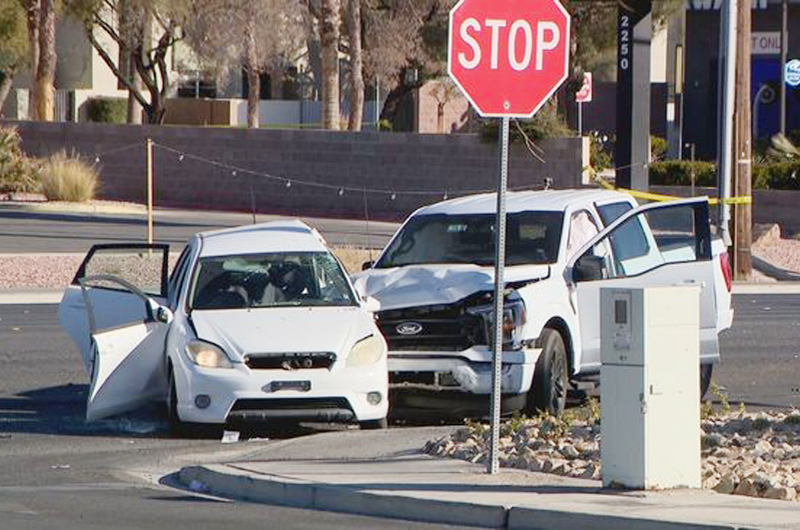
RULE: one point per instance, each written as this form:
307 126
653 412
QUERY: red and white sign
584 95
508 56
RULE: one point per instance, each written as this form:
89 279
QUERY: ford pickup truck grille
431 328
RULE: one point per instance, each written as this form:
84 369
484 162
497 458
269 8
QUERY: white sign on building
766 43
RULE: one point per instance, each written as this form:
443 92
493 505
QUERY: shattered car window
270 280
531 238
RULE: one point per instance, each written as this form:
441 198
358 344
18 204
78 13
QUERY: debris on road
230 437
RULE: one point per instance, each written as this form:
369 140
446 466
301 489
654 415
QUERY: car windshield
270 280
531 238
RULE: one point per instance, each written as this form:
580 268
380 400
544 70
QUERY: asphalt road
57 472
31 232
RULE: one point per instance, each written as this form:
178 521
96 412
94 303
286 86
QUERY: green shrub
68 178
658 148
107 110
601 154
777 176
679 173
17 173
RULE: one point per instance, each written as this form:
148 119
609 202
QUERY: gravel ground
755 455
783 253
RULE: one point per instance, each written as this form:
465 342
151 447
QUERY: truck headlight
207 355
514 319
368 350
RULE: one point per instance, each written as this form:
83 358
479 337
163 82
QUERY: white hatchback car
255 323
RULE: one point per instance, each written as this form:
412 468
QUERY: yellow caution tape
662 198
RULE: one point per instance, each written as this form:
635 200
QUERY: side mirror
588 268
367 265
371 304
164 315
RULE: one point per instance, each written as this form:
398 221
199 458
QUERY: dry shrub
68 178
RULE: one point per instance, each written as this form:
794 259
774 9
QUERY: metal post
149 191
499 288
580 119
784 51
728 41
377 104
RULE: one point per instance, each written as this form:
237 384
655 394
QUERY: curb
77 208
230 482
227 481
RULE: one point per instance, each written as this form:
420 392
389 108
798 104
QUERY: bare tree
41 21
257 35
44 84
329 20
150 29
356 66
444 91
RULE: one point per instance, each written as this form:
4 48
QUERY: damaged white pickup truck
434 281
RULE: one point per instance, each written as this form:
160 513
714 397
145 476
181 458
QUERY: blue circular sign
793 73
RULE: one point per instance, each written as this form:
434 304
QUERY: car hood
421 285
280 330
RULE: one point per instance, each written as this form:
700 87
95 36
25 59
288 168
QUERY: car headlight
366 351
514 319
207 355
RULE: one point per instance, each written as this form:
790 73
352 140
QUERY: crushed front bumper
459 382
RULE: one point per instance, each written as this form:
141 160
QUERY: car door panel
650 262
128 368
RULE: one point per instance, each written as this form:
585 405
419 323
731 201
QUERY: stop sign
508 56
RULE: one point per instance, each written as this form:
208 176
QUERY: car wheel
372 425
550 379
175 423
705 378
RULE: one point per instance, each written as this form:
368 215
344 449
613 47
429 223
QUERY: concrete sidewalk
409 485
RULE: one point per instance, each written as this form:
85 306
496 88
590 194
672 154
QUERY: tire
705 378
551 376
372 425
176 426
185 429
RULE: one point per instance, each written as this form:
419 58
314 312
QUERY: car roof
275 236
522 201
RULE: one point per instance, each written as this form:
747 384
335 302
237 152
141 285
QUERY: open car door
120 325
653 245
143 266
128 361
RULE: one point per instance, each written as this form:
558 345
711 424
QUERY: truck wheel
705 378
549 390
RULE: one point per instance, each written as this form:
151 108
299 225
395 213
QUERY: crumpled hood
421 285
276 330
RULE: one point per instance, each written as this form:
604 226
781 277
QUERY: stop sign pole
508 57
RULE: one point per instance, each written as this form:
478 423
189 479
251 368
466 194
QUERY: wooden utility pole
743 265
